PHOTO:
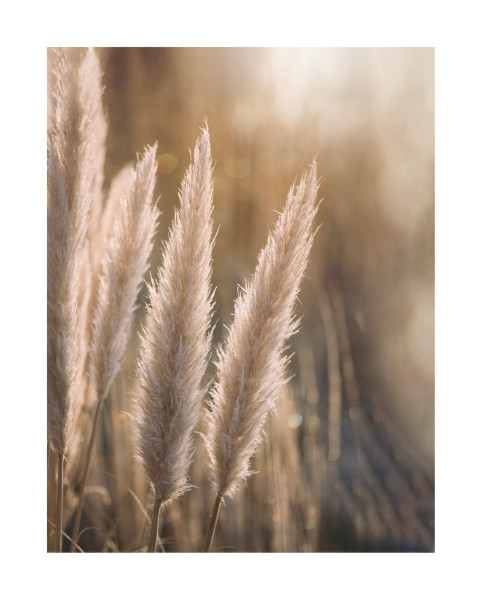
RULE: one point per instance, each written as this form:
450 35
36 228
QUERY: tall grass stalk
175 342
251 365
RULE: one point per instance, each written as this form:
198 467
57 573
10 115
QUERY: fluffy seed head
125 260
176 339
76 100
251 365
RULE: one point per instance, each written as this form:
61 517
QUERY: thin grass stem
51 496
154 526
54 527
60 495
212 523
85 473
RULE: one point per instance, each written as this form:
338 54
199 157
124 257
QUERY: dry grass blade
54 525
176 340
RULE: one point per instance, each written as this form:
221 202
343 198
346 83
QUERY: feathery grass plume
176 340
70 177
119 187
89 270
97 147
251 365
125 260
124 263
92 74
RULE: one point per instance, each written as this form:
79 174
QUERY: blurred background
348 460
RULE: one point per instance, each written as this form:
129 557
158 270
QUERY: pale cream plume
125 260
71 175
91 75
251 365
176 339
118 190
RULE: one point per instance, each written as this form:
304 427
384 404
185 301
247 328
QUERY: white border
454 30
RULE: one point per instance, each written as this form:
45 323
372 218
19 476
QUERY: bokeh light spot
166 163
313 424
295 420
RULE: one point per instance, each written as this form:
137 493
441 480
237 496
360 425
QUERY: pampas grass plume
71 175
251 365
125 260
176 339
